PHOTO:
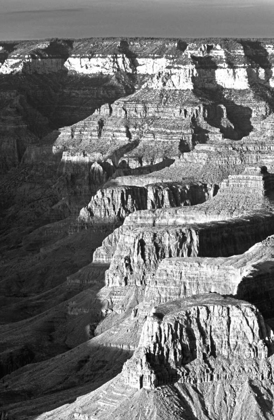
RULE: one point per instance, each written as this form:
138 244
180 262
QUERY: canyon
137 229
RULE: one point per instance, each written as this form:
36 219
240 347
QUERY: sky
39 19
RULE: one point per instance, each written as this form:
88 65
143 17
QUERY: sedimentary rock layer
147 237
248 276
193 340
117 202
238 195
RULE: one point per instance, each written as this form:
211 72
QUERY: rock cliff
189 364
200 339
247 276
118 202
238 215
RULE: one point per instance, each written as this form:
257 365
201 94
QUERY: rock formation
191 354
117 202
238 216
247 276
200 339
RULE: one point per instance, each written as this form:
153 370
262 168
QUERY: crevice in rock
128 133
100 127
124 49
110 110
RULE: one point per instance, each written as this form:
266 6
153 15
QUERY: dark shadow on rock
213 95
7 49
49 100
235 236
141 170
124 49
181 45
41 296
16 359
200 134
186 403
164 371
266 404
96 366
126 148
258 57
57 48
258 288
256 53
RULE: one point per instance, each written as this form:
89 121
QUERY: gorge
137 229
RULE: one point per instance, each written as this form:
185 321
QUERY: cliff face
202 230
117 202
240 194
247 276
181 338
192 91
177 96
191 354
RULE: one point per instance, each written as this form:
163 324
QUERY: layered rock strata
238 195
135 249
201 339
118 202
248 276
140 250
191 94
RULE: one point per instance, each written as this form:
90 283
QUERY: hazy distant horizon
35 19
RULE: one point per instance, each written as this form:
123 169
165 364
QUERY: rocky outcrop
117 202
247 276
238 195
195 94
134 257
201 339
147 237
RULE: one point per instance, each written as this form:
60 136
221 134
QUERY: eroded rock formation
248 276
201 339
238 216
118 202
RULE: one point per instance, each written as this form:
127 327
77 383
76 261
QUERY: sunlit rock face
237 217
248 276
238 195
201 339
187 95
190 93
119 201
133 102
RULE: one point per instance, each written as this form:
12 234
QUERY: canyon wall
196 330
136 189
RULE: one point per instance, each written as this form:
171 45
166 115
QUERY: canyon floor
137 229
